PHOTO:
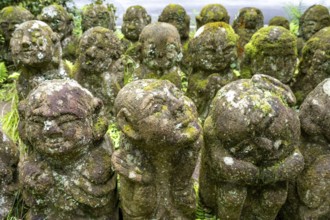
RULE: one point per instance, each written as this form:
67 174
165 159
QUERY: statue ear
100 122
126 125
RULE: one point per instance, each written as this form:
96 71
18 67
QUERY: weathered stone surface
160 53
271 51
8 174
36 51
248 21
212 13
95 14
251 137
99 66
66 173
177 16
10 17
158 152
61 23
279 21
314 65
309 197
134 20
212 56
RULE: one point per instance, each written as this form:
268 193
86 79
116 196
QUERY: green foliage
77 31
294 13
201 212
3 72
114 134
18 210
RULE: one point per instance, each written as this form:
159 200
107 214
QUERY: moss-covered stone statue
212 13
213 56
313 19
99 66
310 195
134 20
61 23
35 51
10 17
272 51
279 21
67 172
160 53
314 65
159 150
176 15
251 137
248 21
96 14
8 174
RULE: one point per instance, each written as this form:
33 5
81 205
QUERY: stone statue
272 51
96 14
213 58
99 66
160 53
177 16
313 19
279 21
248 21
159 150
309 197
314 64
61 23
10 17
35 50
8 174
134 20
251 137
67 172
212 13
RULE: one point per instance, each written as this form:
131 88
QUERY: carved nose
26 42
51 128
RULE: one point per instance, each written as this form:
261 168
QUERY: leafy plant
3 72
294 13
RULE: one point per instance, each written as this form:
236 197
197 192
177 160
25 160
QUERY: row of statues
259 157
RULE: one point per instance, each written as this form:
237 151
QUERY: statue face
99 47
57 19
314 21
59 118
32 43
97 15
133 23
168 116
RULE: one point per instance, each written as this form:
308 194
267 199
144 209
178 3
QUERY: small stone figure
213 58
314 19
272 51
160 53
314 65
248 21
35 50
96 14
310 195
66 173
134 20
212 13
99 67
159 150
10 17
177 16
279 21
8 174
61 23
251 137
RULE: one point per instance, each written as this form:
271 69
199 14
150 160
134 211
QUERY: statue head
249 18
212 13
279 21
60 119
134 20
176 15
58 19
154 113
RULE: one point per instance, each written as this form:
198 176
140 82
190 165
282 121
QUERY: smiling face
32 44
159 113
58 118
134 20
